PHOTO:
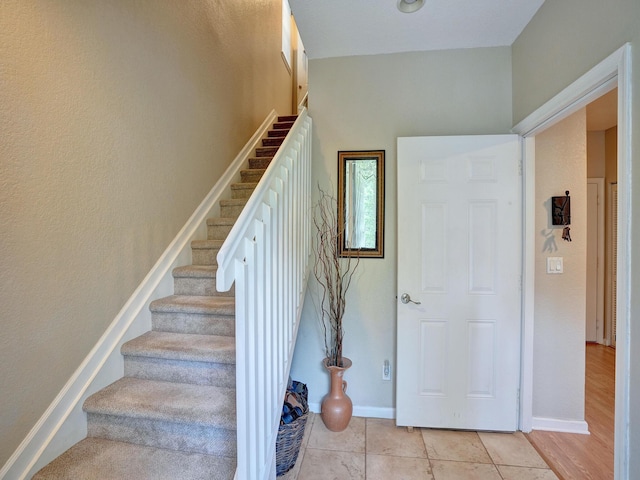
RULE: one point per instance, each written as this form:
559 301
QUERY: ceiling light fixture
410 6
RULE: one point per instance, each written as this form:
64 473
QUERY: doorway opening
591 149
602 181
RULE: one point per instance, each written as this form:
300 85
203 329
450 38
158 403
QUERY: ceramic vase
336 407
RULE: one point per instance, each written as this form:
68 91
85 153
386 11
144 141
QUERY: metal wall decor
561 214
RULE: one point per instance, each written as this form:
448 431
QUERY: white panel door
460 256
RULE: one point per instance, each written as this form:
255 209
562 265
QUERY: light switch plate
555 265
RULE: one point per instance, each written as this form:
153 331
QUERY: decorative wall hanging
561 214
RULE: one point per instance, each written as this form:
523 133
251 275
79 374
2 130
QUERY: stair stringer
64 423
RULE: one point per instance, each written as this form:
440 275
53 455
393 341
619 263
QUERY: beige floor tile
387 467
455 445
444 470
511 449
307 429
350 440
526 473
332 465
384 438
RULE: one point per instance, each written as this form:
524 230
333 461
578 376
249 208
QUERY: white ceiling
339 28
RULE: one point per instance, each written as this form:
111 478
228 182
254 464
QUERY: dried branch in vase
333 274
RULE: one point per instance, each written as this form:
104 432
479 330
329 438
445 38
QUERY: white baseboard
64 422
558 425
361 411
539 423
374 412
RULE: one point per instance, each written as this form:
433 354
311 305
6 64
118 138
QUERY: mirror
361 203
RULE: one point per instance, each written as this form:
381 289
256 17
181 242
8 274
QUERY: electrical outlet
386 370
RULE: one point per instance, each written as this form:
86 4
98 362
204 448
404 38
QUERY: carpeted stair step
204 252
266 151
259 163
197 280
272 141
242 190
283 125
232 208
252 175
181 358
176 416
218 228
201 315
287 118
277 133
97 458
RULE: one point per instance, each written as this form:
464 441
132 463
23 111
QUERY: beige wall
611 155
366 102
596 161
116 118
559 327
564 40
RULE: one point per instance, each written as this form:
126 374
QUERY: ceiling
339 28
602 113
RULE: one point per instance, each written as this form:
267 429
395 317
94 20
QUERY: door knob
406 298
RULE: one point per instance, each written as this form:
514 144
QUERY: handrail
266 254
304 103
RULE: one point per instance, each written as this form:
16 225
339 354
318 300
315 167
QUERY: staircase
173 414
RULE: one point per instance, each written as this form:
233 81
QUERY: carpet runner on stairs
173 415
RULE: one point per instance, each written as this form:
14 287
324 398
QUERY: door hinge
520 166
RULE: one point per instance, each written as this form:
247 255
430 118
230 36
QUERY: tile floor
375 449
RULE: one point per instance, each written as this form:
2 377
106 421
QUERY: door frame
614 71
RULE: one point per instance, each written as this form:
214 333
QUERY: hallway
586 457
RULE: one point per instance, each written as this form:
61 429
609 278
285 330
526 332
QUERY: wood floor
586 457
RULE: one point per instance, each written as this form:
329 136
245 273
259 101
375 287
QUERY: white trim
599 80
362 411
613 71
610 313
528 283
374 412
623 361
64 423
557 425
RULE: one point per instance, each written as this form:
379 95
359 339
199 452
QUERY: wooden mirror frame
377 250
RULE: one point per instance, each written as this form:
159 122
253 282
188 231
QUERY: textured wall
116 118
596 161
559 329
366 103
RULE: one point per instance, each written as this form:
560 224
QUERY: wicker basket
288 444
289 440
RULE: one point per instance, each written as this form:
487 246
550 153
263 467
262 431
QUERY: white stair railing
266 254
